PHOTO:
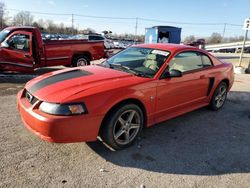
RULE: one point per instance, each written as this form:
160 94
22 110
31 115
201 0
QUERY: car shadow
11 83
202 142
20 78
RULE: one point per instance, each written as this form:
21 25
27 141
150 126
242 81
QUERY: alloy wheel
221 96
126 127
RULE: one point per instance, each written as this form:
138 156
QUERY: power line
94 20
186 23
43 13
127 18
139 21
67 14
105 17
234 24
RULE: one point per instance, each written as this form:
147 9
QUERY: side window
20 42
91 38
99 38
186 61
95 37
206 61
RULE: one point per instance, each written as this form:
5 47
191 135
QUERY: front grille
30 97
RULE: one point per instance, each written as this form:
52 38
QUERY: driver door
182 94
17 51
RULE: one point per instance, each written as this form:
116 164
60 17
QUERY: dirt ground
199 149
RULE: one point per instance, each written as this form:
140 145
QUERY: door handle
27 56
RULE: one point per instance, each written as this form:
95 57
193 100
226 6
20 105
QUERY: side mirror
173 73
4 44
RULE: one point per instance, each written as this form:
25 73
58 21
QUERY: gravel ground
199 149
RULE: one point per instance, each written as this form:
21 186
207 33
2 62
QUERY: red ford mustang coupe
138 87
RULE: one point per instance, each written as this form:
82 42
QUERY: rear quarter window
206 61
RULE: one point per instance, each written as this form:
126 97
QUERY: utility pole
72 22
136 27
224 30
243 47
1 15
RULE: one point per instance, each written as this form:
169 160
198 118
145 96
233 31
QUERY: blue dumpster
163 34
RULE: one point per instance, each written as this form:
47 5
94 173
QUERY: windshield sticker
160 52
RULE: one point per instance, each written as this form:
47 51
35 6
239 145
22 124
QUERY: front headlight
63 109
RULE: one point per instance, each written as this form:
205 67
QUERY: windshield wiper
123 67
142 74
128 69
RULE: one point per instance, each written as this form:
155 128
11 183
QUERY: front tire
219 96
122 126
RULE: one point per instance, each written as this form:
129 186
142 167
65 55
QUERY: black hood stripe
58 78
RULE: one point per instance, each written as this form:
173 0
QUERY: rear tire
219 97
122 126
80 60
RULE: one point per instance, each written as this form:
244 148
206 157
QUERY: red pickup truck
23 50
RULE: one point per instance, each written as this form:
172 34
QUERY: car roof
168 47
23 28
19 27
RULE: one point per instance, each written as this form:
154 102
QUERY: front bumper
61 129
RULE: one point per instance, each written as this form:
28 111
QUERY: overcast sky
174 13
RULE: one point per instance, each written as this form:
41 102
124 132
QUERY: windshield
139 61
3 34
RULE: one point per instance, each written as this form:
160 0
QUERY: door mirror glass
4 44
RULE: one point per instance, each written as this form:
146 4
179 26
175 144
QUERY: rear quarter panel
221 71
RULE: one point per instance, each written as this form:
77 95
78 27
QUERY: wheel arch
226 81
211 100
123 102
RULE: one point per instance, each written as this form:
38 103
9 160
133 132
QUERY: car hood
60 85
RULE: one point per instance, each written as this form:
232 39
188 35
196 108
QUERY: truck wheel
80 60
122 126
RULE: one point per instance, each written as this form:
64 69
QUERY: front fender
146 97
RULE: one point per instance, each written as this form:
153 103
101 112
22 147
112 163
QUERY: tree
215 38
141 38
50 26
2 21
39 24
87 31
61 28
23 18
189 38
